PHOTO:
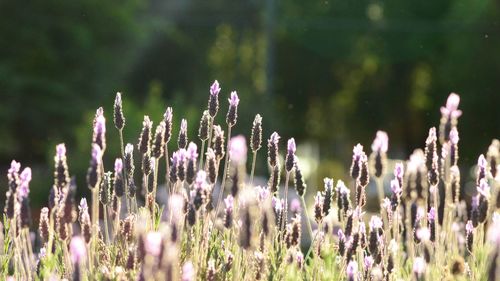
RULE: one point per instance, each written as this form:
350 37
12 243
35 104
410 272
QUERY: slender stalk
155 184
380 192
308 222
125 178
106 229
224 174
167 168
309 228
285 210
201 155
210 128
254 158
95 224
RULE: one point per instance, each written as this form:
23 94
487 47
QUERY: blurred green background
329 73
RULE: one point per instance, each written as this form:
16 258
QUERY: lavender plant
422 231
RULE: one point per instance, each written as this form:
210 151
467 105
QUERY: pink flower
153 243
215 88
381 142
25 179
451 108
291 146
192 151
238 149
77 249
61 150
275 138
419 266
375 223
234 100
118 166
167 116
188 273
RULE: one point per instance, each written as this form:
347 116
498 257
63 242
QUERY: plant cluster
425 228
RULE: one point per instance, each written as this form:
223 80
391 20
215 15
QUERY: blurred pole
270 14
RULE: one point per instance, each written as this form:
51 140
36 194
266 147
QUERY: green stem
201 155
253 167
106 229
224 174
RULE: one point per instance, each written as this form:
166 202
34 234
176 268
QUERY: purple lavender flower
218 142
451 108
256 136
454 135
352 271
381 142
419 266
94 171
211 165
290 156
228 212
118 184
192 156
167 118
328 195
25 179
100 130
118 117
449 117
77 249
263 193
183 139
145 137
213 100
482 169
484 188
379 147
424 234
159 140
493 156
188 273
295 207
396 188
176 207
238 149
153 243
368 262
356 158
204 126
232 113
375 223
272 148
399 172
318 207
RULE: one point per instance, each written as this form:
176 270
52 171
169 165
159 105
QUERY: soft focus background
329 73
